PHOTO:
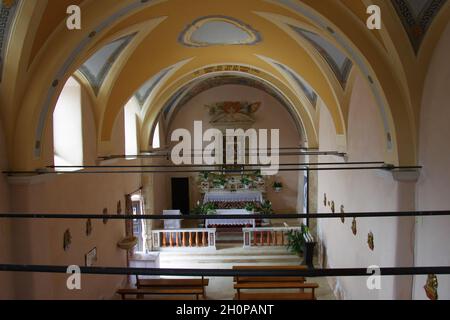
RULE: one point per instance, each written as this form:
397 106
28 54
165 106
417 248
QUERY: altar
238 198
233 196
225 222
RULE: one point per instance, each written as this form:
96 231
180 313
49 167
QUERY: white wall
364 191
433 188
41 241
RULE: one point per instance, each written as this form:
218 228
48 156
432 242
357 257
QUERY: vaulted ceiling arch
305 117
51 54
211 81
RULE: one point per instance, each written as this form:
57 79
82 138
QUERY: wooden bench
273 282
140 293
242 279
277 285
172 283
276 296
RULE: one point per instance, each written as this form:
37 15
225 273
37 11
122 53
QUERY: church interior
327 140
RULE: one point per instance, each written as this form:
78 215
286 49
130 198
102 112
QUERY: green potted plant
203 176
209 208
251 207
205 209
259 177
246 182
220 182
277 186
296 240
266 207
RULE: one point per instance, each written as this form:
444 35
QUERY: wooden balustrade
184 238
269 236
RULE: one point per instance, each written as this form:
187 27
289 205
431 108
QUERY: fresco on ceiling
417 16
218 30
185 94
144 92
230 113
97 67
302 84
7 14
335 58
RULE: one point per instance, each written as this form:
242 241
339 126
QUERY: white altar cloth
230 222
235 196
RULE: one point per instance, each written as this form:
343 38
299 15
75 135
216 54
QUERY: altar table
230 222
233 196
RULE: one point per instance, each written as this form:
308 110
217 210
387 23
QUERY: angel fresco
233 112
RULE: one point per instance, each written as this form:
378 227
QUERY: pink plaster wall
433 188
6 289
271 115
364 191
41 242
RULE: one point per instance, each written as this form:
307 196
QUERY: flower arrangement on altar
210 181
205 209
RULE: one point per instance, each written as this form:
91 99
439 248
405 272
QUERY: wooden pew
271 283
275 295
141 293
172 283
243 279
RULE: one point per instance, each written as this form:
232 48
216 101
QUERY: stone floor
228 255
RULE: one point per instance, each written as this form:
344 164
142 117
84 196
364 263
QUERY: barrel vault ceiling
302 52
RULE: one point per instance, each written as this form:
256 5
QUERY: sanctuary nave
224 150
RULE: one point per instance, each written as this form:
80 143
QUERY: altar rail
184 238
268 236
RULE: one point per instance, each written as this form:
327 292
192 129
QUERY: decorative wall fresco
147 88
185 94
218 30
96 68
229 113
417 17
336 59
302 84
7 14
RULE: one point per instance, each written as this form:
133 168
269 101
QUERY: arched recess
49 71
181 97
374 63
14 79
68 126
337 87
305 116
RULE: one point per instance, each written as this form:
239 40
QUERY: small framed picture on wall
91 258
